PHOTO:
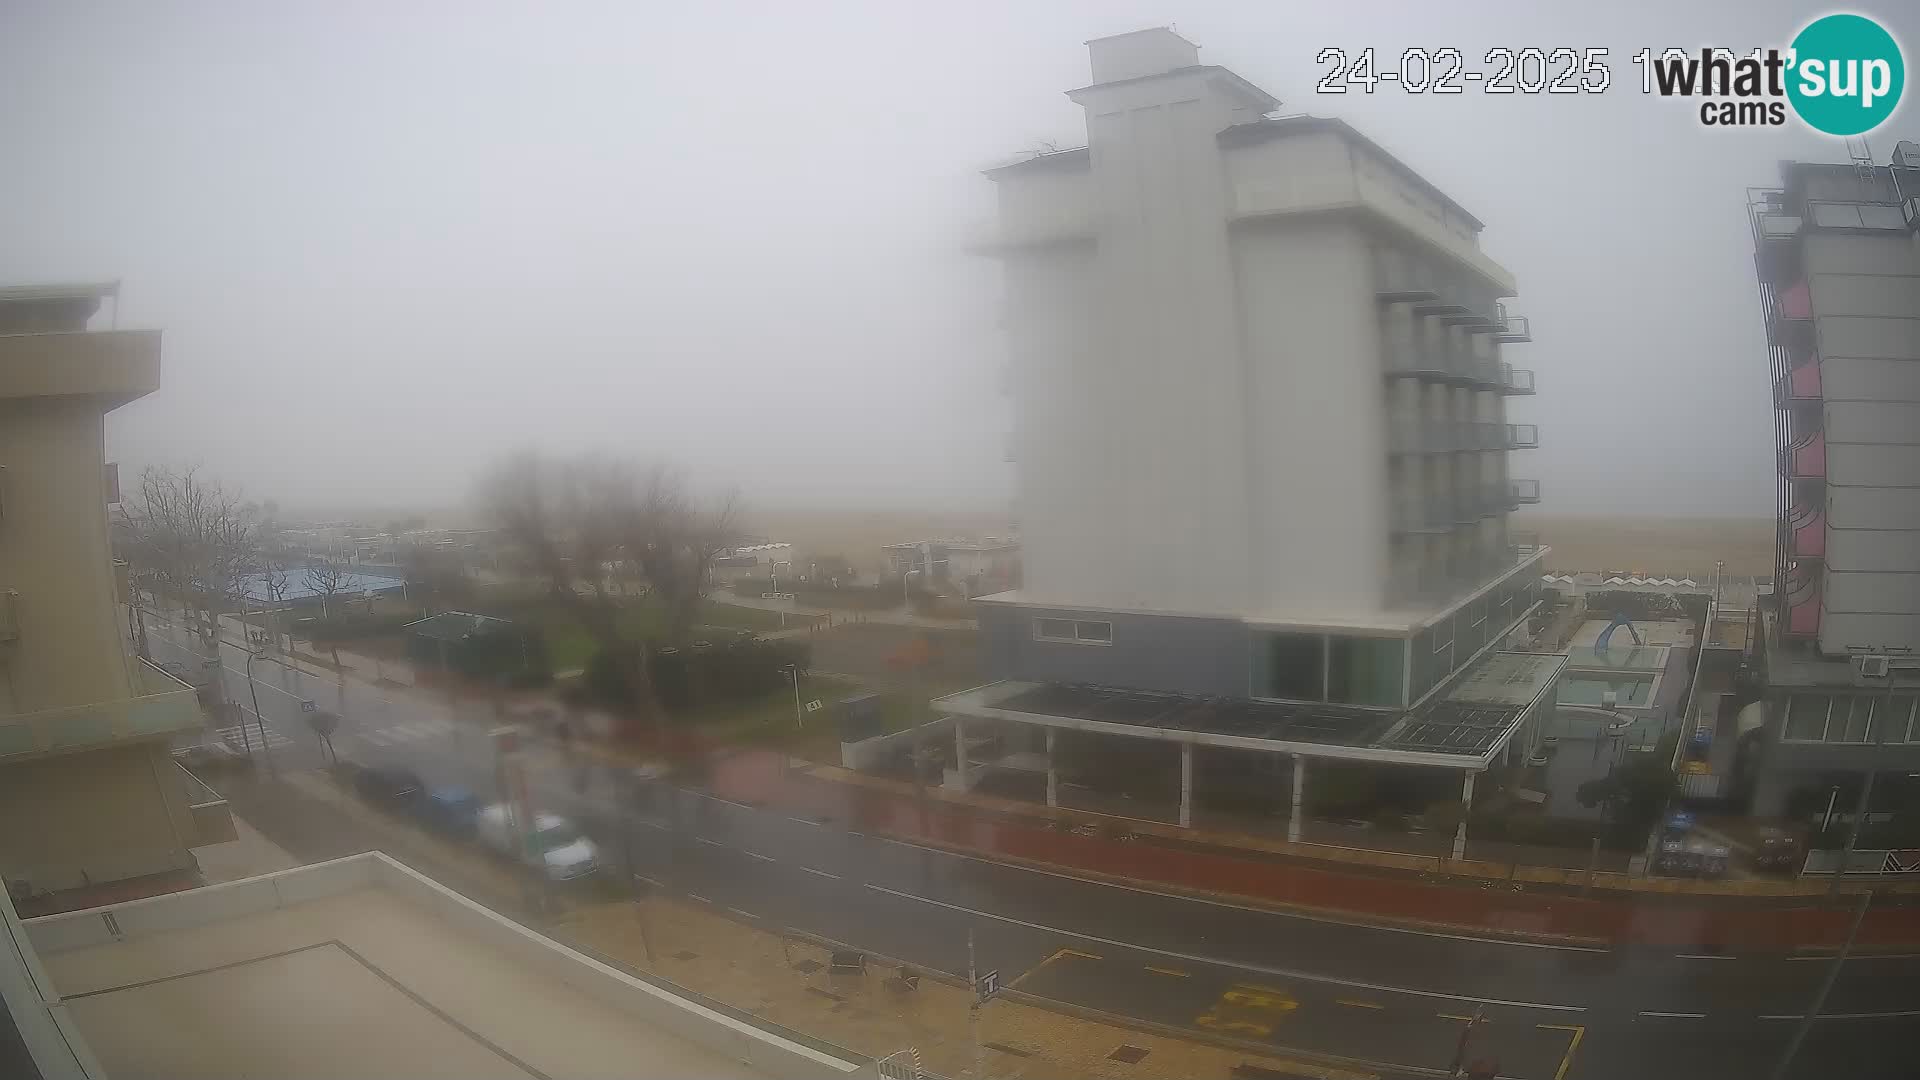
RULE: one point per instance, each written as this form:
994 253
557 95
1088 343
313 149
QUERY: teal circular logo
1847 75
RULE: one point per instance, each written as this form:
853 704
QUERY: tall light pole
259 721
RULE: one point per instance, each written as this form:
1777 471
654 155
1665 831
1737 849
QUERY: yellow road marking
1359 1004
1566 1062
1078 953
1168 971
1462 1019
1257 988
1035 969
1239 1027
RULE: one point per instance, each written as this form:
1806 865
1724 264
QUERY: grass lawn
569 645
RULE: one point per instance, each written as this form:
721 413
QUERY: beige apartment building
89 793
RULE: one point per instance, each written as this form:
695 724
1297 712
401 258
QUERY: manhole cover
1129 1054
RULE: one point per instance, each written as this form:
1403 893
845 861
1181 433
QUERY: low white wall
200 907
762 1050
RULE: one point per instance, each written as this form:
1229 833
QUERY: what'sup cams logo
1842 75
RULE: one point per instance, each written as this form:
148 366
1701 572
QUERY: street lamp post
253 691
906 597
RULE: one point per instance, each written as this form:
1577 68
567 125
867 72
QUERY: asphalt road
1397 999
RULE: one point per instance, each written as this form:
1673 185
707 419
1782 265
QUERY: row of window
1852 718
1334 668
1074 631
1440 649
1833 215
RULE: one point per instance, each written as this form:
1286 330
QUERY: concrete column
1186 785
1466 807
1299 790
1053 773
960 754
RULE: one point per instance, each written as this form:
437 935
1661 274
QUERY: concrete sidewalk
787 981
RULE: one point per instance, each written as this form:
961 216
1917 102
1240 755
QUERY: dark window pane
1807 717
1295 666
1056 628
1093 631
1364 671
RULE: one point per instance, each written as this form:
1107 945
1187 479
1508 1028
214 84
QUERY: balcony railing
1523 491
1515 381
1511 329
212 819
1523 437
165 705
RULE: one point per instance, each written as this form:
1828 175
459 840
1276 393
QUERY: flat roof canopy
1462 729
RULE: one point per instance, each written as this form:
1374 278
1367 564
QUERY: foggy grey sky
389 241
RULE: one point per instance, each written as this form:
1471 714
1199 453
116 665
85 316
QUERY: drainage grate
1005 1049
1128 1054
808 967
685 954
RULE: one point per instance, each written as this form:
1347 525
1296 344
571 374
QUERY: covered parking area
1161 756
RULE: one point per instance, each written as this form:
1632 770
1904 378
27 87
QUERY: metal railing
1515 380
1523 491
1523 437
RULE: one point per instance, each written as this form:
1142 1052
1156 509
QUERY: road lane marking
652 825
743 914
1081 955
1462 1019
1035 969
1857 956
1175 972
1703 956
648 880
1277 913
1845 1016
716 798
709 843
1237 965
1674 1015
1358 1004
1566 1060
698 897
762 858
803 821
820 873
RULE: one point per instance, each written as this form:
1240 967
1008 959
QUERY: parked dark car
449 810
393 787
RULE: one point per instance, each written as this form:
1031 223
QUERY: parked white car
557 847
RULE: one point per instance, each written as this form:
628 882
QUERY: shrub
690 677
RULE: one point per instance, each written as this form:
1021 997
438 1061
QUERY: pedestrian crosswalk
234 737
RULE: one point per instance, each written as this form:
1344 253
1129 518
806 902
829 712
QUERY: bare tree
276 579
574 519
197 543
326 576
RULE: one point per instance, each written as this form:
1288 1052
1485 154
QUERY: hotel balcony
1511 329
1800 383
1522 437
1807 531
164 707
1790 317
1801 601
1523 491
1515 382
1776 238
1807 459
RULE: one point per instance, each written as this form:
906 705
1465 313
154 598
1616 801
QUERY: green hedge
687 678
